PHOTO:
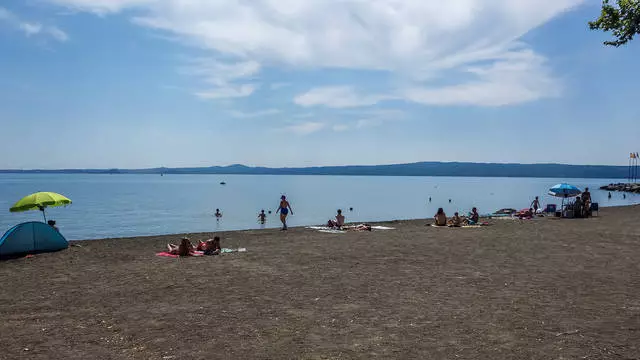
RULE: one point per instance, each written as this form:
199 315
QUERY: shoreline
304 227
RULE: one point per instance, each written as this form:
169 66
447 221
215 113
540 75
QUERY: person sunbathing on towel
210 247
361 227
441 218
455 221
526 214
338 222
184 249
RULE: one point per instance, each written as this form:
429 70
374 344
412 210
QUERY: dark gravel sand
542 289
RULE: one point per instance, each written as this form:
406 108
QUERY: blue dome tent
31 237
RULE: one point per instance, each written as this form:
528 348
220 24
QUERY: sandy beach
541 289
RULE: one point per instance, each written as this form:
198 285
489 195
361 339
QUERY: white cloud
521 78
57 34
338 97
304 128
224 79
417 41
248 115
31 28
228 91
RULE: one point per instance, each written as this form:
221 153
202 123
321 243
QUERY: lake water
131 205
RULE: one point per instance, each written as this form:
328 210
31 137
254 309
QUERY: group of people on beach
186 248
441 219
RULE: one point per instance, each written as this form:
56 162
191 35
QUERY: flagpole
635 174
629 169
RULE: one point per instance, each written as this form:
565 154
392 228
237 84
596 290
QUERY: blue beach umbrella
564 191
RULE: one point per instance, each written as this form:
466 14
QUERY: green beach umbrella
40 201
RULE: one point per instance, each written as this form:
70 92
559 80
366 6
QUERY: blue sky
146 83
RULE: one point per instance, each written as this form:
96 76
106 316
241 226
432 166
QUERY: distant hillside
414 169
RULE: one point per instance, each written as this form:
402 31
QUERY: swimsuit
284 208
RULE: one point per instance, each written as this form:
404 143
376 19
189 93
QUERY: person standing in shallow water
284 208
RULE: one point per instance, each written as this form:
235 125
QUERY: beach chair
594 208
551 209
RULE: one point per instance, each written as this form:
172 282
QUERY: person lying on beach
338 222
210 247
528 214
441 218
184 249
455 221
361 227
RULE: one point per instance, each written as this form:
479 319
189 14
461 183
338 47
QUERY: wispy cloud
276 86
338 97
30 28
223 79
255 114
305 128
413 43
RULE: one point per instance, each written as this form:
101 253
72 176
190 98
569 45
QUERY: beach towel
460 227
226 250
336 231
332 231
169 255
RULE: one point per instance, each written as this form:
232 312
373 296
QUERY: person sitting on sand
578 207
474 217
52 223
184 249
211 246
455 221
262 217
441 218
338 222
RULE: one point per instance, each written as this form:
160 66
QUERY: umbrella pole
44 215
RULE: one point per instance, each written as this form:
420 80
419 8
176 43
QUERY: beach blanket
169 255
336 231
460 227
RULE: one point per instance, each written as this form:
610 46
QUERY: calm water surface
131 205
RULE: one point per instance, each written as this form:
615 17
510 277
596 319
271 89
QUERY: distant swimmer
624 196
609 195
449 201
284 209
350 209
429 198
218 214
262 217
